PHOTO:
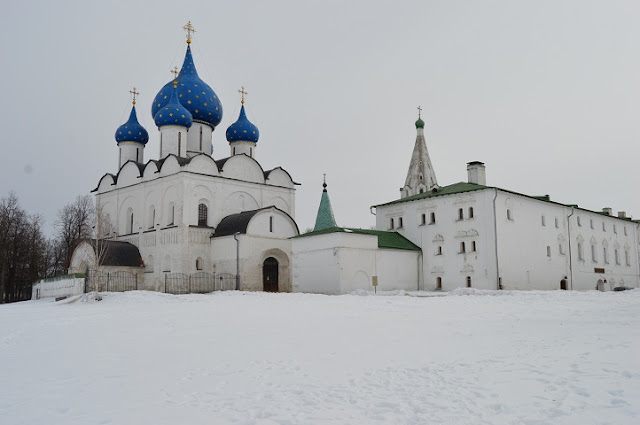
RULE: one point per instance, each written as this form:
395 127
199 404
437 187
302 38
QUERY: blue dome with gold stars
173 113
132 131
242 130
193 93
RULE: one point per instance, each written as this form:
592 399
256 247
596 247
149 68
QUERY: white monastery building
188 213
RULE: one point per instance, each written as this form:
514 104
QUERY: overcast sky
546 93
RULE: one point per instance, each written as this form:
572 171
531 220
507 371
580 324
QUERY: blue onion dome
242 130
193 93
132 131
173 113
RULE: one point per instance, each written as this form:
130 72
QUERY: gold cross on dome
242 93
134 93
190 29
419 111
174 71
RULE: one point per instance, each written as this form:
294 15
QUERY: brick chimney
476 173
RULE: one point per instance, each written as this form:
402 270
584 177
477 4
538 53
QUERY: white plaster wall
340 263
131 151
129 175
169 140
244 168
58 288
199 139
239 148
282 227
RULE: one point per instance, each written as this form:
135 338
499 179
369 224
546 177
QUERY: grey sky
546 93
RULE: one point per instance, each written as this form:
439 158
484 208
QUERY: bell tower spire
420 177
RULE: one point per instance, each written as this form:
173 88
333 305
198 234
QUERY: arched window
432 218
594 257
509 214
199 263
605 255
152 217
391 225
468 281
617 255
171 214
439 250
271 223
129 228
438 283
473 246
251 152
234 151
580 252
423 219
462 247
460 214
470 212
203 215
548 251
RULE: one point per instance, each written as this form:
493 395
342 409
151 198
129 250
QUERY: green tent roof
325 218
386 239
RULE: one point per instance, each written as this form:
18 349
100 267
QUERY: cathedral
188 213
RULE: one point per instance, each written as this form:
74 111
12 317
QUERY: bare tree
74 224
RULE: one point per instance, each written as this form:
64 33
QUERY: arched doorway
270 275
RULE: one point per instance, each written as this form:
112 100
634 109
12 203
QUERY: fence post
108 280
165 283
189 283
136 281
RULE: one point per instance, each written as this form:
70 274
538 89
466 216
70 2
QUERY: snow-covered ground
470 357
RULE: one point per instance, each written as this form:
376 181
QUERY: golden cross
134 93
190 29
174 71
242 93
419 111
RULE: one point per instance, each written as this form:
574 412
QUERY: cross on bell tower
242 94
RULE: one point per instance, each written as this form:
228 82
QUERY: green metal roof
392 240
325 219
441 191
462 187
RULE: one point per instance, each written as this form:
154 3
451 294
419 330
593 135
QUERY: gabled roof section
392 240
460 187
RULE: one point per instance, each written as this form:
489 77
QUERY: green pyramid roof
325 218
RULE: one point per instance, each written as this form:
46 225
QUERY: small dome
132 131
173 113
419 123
242 130
193 93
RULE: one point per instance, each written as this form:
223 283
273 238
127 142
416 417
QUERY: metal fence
119 281
198 283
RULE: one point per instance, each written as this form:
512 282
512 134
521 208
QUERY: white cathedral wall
130 151
239 148
199 139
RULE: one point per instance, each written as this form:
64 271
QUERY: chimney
477 173
622 214
608 211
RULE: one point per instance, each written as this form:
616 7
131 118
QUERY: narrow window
544 223
561 249
594 258
438 283
421 190
591 223
468 281
462 248
400 223
509 215
557 223
137 154
605 254
171 218
439 250
580 253
130 229
548 251
604 227
179 142
234 151
423 219
271 224
200 138
473 246
625 230
420 177
615 230
579 222
432 218
203 215
251 152
391 226
470 212
199 262
626 258
617 256
160 144
460 214
152 217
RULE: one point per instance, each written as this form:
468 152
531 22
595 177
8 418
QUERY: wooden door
270 275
